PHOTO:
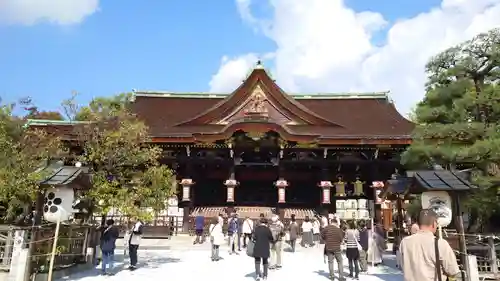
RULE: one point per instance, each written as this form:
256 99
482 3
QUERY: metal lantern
186 189
230 184
281 184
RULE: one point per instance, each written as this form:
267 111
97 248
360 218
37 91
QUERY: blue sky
155 45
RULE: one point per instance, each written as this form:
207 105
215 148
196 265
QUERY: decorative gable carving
257 107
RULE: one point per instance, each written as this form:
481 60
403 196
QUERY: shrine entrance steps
253 212
243 212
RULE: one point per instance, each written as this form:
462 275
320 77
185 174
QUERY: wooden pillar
459 224
399 222
377 208
187 194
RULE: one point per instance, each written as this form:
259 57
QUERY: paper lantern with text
439 202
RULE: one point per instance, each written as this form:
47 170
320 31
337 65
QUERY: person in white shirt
134 240
247 229
216 238
307 235
316 231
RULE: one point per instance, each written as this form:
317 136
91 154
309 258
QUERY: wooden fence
485 247
73 242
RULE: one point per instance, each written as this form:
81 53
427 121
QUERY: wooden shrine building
259 148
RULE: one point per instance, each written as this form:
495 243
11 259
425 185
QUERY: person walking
316 231
278 232
352 249
240 231
424 256
262 237
216 237
333 237
134 241
232 233
109 234
293 229
376 245
199 224
324 223
247 229
364 237
307 235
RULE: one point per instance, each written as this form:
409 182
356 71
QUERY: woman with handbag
352 249
262 238
216 238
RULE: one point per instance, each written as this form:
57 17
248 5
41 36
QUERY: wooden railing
6 243
486 249
73 242
162 226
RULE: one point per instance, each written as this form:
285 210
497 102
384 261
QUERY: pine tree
459 118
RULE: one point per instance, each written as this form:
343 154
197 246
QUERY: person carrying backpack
278 232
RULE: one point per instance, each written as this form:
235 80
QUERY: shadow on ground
121 264
326 274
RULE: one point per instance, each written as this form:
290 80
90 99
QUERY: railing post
493 256
176 226
9 243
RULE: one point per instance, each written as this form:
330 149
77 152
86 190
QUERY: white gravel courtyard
187 262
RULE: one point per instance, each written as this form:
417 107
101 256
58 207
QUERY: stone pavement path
186 262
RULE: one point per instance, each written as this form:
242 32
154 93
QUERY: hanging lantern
281 184
230 184
340 187
326 188
186 189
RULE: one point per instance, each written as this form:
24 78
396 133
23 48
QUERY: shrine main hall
260 149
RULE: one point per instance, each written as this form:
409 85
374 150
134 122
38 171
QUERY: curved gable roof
282 102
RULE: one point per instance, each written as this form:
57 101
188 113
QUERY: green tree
99 106
126 172
24 152
458 119
33 112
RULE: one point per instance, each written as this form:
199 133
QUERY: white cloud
324 46
61 12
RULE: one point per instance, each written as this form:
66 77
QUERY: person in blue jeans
199 224
109 234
